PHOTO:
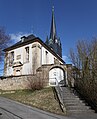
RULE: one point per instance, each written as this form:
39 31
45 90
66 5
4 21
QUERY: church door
56 77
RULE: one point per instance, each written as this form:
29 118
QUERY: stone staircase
74 106
73 103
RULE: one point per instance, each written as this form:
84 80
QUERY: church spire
53 41
53 26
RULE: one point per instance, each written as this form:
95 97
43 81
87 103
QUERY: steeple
53 26
54 41
47 40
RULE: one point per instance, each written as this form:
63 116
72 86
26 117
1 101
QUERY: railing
55 83
58 90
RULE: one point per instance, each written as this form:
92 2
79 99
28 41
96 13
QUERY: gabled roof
24 40
30 39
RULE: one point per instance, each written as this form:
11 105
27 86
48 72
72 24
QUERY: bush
88 91
35 83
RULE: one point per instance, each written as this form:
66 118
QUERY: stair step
70 95
78 107
73 104
71 98
80 111
72 101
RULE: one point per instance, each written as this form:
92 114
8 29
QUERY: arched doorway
57 77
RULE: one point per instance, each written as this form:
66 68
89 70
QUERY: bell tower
54 41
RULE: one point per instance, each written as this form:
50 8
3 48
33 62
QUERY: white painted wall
27 66
9 71
50 57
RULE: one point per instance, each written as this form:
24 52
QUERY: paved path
14 110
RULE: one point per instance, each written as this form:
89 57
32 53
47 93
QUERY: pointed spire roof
53 41
47 40
53 26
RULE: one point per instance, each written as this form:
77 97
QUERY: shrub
35 83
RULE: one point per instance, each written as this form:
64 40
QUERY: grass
42 99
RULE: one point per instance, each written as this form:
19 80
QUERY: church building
31 54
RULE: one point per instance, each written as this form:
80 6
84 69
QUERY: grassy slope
43 99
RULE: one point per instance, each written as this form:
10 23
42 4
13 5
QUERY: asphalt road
13 110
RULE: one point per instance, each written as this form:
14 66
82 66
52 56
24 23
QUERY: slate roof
30 39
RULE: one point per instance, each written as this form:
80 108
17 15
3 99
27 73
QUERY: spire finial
52 8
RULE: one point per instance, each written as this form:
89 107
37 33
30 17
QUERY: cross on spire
53 26
53 8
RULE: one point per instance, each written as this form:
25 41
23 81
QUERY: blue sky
75 19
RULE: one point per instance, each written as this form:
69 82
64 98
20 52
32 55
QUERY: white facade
27 58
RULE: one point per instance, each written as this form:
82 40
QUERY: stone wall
20 82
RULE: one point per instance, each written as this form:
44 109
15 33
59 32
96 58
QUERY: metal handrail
60 96
60 91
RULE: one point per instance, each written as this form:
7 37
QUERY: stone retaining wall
20 82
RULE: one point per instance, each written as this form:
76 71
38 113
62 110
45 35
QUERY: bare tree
81 58
85 68
4 42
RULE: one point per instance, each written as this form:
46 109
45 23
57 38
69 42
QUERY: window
6 59
11 58
17 72
34 45
18 57
27 54
56 41
12 54
46 53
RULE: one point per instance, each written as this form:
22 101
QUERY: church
33 56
